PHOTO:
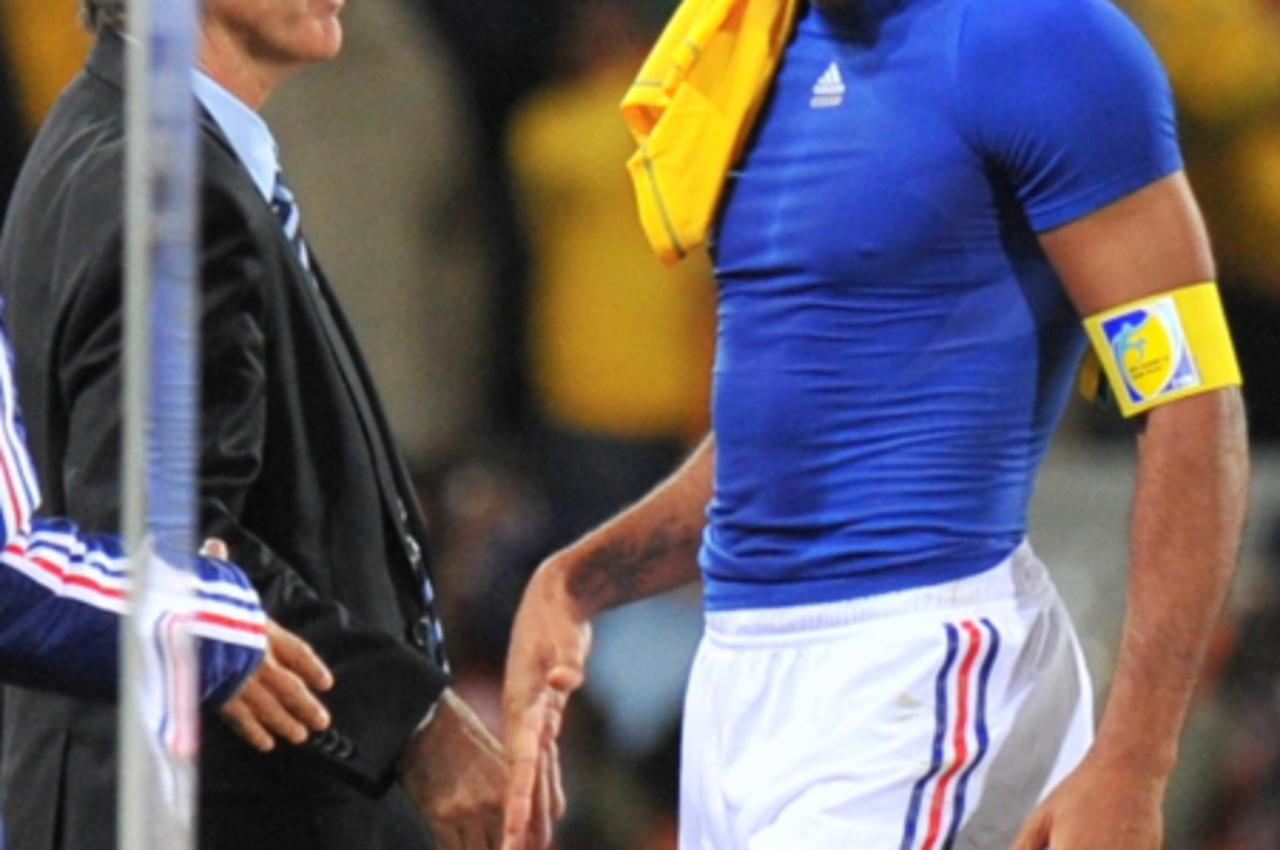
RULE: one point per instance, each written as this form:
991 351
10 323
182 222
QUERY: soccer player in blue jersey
935 195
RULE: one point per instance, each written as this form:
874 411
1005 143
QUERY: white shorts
931 719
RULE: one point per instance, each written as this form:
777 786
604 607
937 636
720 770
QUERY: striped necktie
286 210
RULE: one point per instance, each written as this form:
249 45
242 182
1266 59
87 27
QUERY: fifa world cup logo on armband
1150 351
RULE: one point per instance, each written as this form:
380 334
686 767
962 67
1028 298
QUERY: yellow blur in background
618 343
46 47
1223 57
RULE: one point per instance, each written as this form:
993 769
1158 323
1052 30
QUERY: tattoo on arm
624 570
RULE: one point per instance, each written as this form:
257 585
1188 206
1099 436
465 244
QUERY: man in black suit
298 472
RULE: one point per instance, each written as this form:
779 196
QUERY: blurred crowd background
461 173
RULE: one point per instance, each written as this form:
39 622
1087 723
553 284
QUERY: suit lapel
323 306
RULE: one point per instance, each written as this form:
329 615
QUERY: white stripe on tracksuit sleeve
62 591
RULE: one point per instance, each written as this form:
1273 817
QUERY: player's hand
1099 807
549 645
278 699
454 770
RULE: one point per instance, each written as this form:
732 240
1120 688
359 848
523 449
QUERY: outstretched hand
278 699
549 645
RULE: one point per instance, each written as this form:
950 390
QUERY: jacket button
420 634
324 741
412 549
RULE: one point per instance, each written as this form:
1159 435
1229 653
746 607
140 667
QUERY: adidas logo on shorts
828 91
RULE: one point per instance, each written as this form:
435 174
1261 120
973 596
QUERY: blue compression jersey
894 348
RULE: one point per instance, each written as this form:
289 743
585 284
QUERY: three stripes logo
960 740
829 90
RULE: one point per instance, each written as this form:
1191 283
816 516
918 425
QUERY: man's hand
454 771
1098 807
278 697
549 645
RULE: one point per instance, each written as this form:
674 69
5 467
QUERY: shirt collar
248 134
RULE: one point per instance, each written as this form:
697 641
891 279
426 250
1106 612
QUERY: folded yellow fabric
692 107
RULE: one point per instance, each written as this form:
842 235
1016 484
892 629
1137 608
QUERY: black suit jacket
298 475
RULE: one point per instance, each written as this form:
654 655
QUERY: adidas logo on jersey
828 91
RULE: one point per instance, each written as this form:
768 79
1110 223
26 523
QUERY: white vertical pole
134 760
158 693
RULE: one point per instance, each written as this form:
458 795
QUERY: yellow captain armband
1160 348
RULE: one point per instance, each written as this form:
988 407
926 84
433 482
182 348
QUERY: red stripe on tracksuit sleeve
67 578
70 578
230 623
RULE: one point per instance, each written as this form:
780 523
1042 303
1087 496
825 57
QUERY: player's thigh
914 733
793 744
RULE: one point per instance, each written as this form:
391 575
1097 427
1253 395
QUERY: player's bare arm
615 571
1188 512
647 549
